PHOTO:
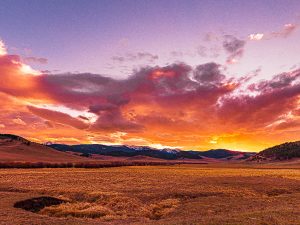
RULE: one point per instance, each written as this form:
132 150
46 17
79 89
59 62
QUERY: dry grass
181 194
79 209
157 210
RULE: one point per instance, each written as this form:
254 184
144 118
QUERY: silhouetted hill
285 151
13 137
224 153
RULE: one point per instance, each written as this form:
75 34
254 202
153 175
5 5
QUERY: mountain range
16 148
169 154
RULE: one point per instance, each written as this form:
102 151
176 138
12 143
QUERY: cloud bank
174 105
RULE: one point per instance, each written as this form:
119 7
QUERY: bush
25 165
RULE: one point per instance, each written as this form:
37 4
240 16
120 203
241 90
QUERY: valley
179 194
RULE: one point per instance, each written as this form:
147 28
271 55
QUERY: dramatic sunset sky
193 75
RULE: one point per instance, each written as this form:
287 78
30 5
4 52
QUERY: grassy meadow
175 194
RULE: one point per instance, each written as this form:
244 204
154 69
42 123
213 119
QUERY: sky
193 75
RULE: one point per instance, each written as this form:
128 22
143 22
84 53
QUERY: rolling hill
285 151
14 148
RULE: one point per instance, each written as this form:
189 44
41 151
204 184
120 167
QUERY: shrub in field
77 165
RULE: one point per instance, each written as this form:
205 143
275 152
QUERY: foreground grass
179 194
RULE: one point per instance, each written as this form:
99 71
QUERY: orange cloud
175 105
19 121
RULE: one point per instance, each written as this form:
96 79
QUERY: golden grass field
179 194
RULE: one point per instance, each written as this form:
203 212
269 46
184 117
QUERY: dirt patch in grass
36 204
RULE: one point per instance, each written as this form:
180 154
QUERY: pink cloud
35 60
284 32
58 117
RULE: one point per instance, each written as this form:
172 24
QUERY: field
178 194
